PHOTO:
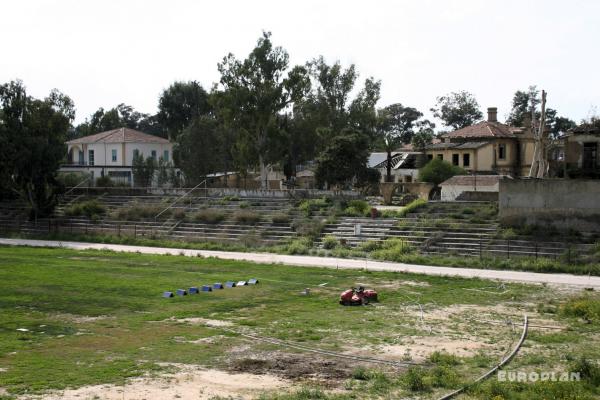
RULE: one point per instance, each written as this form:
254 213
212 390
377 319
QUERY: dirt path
328 262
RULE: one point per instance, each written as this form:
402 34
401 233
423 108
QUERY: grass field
72 319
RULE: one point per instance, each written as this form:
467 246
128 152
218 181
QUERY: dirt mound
294 366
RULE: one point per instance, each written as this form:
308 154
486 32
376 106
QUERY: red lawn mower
357 297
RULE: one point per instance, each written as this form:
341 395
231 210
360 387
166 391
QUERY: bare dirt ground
189 382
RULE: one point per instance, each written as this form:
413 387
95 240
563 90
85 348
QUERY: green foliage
138 212
298 246
246 217
309 228
393 249
209 216
588 370
357 208
330 242
90 209
180 104
414 380
586 307
104 181
143 170
369 246
32 145
442 358
457 109
71 179
309 206
437 171
280 218
412 206
121 116
344 158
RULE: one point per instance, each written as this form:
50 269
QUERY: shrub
90 209
308 228
72 179
357 208
582 307
413 380
179 213
280 218
308 206
330 242
412 206
104 181
138 212
244 204
588 370
298 246
246 217
209 216
231 198
392 249
442 358
437 171
369 246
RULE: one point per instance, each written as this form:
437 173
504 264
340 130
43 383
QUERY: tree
395 126
422 137
121 116
437 171
143 170
343 159
197 150
32 137
457 109
256 90
525 106
181 103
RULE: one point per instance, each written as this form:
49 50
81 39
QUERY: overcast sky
102 53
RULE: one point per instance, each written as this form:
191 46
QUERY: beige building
487 147
111 153
581 146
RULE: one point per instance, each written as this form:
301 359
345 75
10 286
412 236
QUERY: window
166 155
430 157
136 153
501 152
81 161
590 155
440 156
91 157
154 154
455 159
114 155
466 160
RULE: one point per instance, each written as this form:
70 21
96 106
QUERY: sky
105 52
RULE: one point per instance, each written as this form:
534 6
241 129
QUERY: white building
111 153
403 165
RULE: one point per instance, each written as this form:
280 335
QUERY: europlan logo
533 376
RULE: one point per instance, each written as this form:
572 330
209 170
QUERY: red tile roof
120 135
483 129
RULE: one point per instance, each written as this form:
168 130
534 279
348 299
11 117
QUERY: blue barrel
181 292
206 288
229 284
218 285
167 294
193 290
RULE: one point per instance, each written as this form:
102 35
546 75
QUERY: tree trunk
388 168
263 173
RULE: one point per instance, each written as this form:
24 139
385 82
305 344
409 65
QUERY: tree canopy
437 171
457 109
32 145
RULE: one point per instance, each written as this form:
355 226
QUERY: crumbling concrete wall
563 203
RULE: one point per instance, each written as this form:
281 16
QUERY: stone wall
563 203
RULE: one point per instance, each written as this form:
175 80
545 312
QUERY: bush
179 214
369 246
310 205
308 228
393 249
584 307
280 218
138 212
71 179
104 181
246 217
588 370
442 358
209 216
330 242
437 171
90 209
357 208
412 206
413 380
298 246
244 204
